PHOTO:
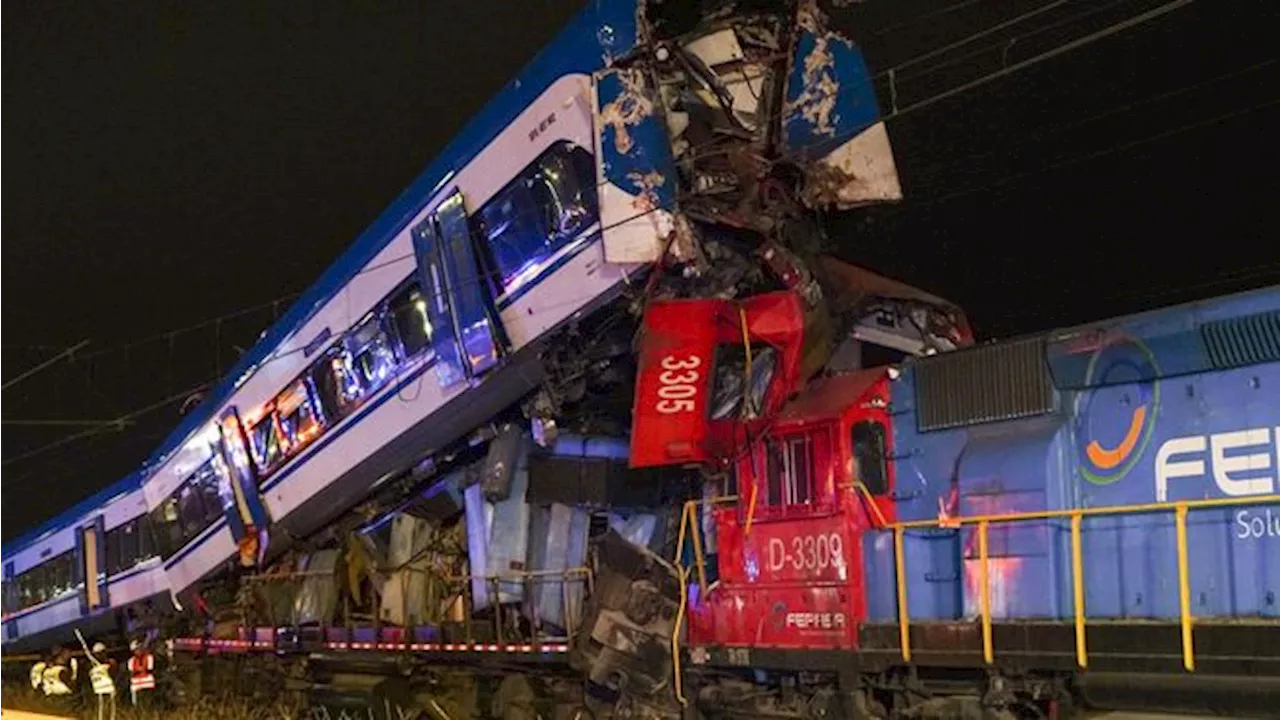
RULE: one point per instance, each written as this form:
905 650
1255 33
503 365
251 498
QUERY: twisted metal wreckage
735 126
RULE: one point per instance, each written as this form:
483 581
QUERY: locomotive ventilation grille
1241 341
983 384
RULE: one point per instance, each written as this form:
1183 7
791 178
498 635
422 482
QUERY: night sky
176 172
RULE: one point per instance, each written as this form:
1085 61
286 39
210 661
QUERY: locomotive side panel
1178 408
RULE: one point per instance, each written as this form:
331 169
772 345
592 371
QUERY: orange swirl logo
1116 416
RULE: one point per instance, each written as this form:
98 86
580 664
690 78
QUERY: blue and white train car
417 335
81 566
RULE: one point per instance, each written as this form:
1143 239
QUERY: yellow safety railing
1076 517
689 520
983 523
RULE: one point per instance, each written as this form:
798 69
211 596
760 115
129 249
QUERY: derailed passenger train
585 425
648 151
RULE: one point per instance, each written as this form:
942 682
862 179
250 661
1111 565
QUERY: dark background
176 172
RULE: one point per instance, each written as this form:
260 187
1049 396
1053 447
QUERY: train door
91 549
466 336
245 509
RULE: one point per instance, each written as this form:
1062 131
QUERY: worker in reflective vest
104 687
37 673
59 674
142 666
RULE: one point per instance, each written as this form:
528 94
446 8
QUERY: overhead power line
67 423
115 424
932 172
51 361
1006 44
1076 159
928 16
1046 55
1007 70
976 36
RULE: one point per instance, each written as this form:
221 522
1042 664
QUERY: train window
146 541
42 578
799 470
264 442
199 505
12 601
190 510
409 316
114 539
34 592
299 419
773 474
58 578
30 587
39 590
550 203
870 457
326 377
122 547
789 467
206 478
166 526
731 369
563 190
372 358
49 580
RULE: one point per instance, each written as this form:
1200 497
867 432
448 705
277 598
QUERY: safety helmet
99 647
133 645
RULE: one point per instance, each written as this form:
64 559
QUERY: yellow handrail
1094 511
1077 589
1076 515
861 488
984 593
1184 589
678 676
689 518
900 568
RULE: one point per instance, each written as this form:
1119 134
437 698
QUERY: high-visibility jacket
100 678
141 672
53 682
37 674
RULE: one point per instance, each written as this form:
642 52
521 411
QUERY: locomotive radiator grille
983 384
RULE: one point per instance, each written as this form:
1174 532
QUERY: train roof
1220 307
1224 324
